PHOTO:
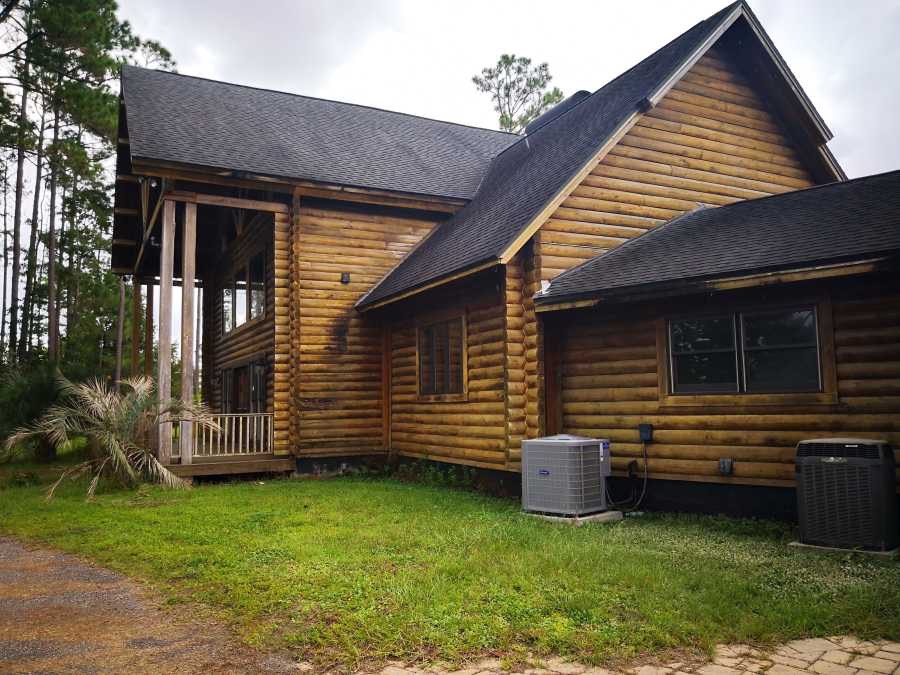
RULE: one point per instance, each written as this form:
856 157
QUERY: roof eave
746 279
153 166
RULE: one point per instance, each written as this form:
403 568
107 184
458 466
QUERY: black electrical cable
632 504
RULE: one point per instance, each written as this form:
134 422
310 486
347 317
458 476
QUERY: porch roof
173 118
825 225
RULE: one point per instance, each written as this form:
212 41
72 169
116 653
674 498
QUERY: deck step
234 467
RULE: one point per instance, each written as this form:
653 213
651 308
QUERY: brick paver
840 655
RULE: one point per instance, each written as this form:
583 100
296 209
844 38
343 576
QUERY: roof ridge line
320 98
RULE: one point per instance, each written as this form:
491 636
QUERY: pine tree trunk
52 316
5 258
17 211
26 331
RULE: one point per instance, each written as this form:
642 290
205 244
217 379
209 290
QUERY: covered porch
205 271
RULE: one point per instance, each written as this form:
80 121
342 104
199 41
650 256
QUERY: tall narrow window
258 387
240 297
228 307
441 354
227 391
257 285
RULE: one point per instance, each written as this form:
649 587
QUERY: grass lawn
357 569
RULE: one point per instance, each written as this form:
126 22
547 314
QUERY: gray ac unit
846 493
565 475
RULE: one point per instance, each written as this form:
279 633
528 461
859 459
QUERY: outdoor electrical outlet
646 433
726 466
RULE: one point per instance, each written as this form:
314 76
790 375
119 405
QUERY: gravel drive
60 614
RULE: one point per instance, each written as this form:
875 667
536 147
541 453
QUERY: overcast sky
418 56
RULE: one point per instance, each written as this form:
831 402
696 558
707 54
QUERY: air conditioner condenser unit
565 475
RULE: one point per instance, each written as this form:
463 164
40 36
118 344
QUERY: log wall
336 353
473 431
711 140
610 384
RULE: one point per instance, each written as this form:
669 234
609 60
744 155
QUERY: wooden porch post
120 335
148 333
135 326
188 251
167 262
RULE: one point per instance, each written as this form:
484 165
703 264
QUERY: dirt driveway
59 614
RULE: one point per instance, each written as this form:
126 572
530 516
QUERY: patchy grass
360 570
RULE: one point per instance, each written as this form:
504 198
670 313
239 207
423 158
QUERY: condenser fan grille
839 504
846 493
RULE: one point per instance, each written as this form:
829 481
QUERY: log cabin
678 248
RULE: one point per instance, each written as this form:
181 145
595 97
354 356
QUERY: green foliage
434 473
357 571
518 90
25 392
67 58
118 425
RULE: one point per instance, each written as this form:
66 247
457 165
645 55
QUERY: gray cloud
418 57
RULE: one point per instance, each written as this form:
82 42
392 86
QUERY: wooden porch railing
238 434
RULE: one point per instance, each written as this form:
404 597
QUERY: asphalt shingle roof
191 120
852 220
527 175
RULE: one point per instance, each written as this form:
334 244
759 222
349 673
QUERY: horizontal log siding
280 373
337 381
610 385
247 342
473 431
711 140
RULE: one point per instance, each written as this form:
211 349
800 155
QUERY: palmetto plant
118 425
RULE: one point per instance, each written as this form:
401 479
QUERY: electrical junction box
565 475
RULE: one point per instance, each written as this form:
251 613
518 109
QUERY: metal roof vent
565 475
846 493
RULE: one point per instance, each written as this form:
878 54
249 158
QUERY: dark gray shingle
190 120
846 221
527 175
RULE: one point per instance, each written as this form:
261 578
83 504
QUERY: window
257 286
768 351
780 351
703 355
244 388
441 357
240 297
244 294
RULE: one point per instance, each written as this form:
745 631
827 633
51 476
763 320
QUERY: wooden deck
234 465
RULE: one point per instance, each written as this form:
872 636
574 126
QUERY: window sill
745 400
443 398
250 323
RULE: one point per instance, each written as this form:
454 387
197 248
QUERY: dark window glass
241 394
703 355
257 286
227 390
441 357
240 297
258 387
781 351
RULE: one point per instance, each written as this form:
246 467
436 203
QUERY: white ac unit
565 475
